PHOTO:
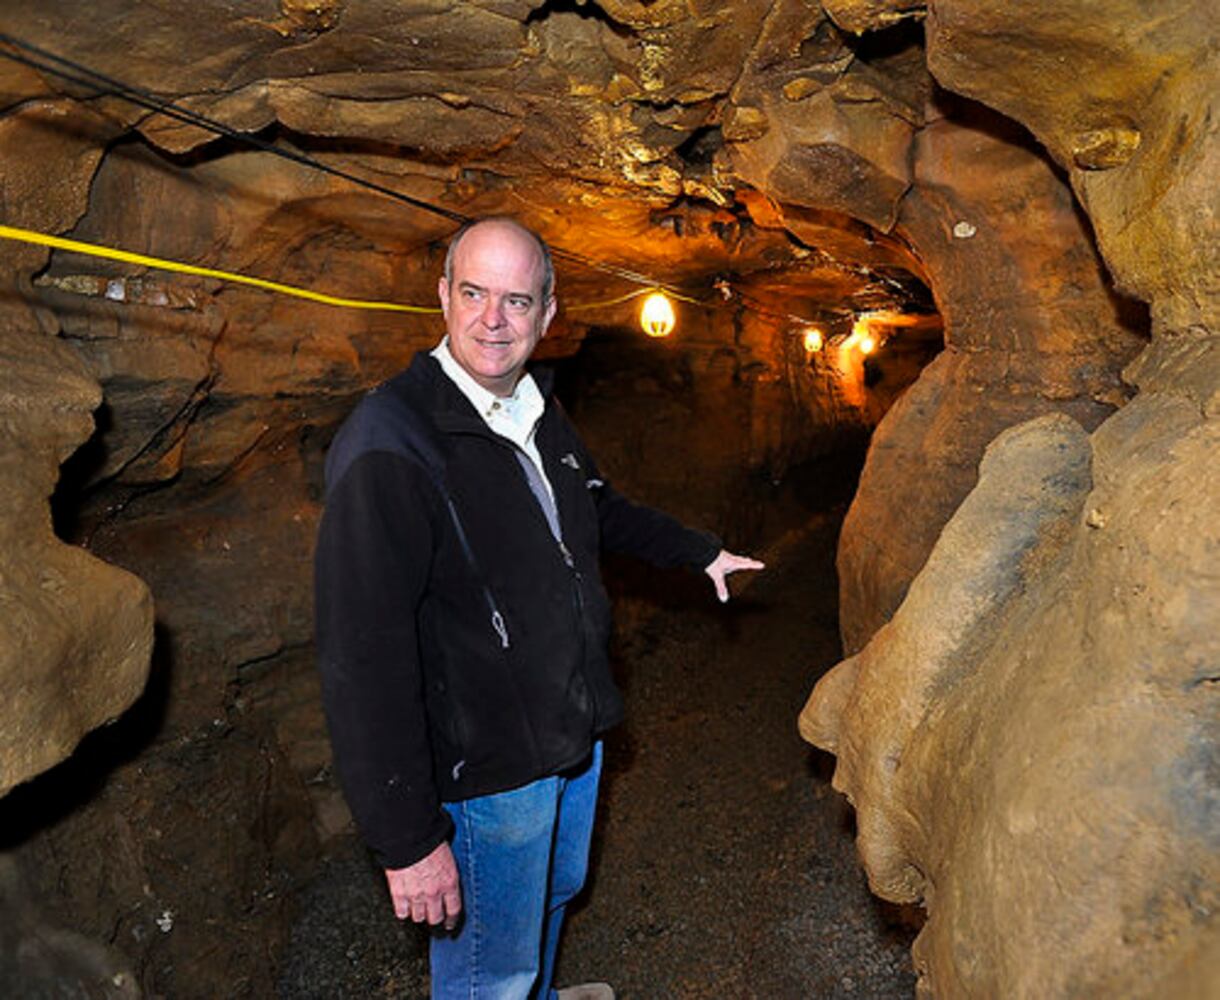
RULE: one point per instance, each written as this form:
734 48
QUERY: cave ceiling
622 131
1052 210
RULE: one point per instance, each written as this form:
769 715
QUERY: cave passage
723 861
942 353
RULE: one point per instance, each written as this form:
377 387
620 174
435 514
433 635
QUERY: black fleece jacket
462 647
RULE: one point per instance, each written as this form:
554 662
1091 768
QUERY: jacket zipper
497 619
579 603
497 622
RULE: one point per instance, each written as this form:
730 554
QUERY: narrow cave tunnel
943 355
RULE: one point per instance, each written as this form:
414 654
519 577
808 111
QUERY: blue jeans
522 855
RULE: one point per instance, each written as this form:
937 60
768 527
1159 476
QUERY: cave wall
1032 325
689 141
217 402
75 634
1030 741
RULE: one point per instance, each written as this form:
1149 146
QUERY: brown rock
1092 825
1067 70
816 154
1088 824
313 15
743 124
48 187
1042 333
75 634
859 16
800 88
1105 149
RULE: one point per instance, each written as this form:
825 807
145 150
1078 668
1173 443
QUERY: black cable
107 85
103 84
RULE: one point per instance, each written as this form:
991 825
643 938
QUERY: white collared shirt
513 417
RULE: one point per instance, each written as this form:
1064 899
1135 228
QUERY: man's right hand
428 891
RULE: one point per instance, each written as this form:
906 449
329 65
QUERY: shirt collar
525 392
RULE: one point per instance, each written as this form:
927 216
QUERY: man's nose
493 313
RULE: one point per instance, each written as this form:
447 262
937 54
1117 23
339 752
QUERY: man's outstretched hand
724 564
428 891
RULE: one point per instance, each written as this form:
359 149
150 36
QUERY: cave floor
724 864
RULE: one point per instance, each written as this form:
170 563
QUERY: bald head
544 252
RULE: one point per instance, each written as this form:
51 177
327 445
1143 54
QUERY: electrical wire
161 263
36 238
45 61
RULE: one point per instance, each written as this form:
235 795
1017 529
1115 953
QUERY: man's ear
442 291
548 314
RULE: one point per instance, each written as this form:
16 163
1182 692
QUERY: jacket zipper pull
497 622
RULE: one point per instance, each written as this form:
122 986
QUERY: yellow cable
609 302
687 298
633 295
94 250
161 263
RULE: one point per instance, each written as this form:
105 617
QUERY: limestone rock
815 153
1043 332
312 15
49 186
75 634
1032 481
1106 148
1058 755
1026 742
871 15
1095 77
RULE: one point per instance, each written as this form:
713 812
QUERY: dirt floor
724 864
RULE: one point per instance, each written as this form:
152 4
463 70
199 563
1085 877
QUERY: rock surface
1093 823
1127 106
1031 326
1039 717
785 165
75 634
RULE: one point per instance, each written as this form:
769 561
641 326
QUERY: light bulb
657 316
813 340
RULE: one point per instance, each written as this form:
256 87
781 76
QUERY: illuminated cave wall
1030 740
769 146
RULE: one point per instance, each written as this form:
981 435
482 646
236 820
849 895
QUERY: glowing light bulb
657 316
864 336
813 340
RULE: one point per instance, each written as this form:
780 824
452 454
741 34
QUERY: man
462 626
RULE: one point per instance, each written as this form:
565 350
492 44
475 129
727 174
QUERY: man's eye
518 304
470 294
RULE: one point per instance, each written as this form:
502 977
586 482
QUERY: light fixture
864 331
813 340
657 316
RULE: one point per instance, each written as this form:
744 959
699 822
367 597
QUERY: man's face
494 310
